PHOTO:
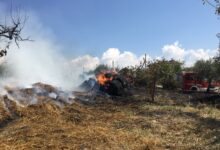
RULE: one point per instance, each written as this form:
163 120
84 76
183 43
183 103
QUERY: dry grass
111 125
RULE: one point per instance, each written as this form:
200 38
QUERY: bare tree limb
12 31
215 4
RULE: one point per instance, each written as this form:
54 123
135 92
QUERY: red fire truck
191 82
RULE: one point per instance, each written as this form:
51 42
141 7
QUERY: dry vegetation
168 123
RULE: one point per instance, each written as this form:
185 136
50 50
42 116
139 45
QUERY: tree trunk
153 89
209 85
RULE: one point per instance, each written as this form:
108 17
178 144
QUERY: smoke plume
40 60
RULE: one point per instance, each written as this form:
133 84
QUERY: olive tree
162 72
206 69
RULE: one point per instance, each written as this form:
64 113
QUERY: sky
99 31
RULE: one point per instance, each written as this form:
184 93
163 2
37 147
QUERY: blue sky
92 26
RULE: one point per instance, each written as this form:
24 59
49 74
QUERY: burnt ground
173 121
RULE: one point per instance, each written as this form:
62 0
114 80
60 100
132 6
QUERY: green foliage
169 72
164 72
207 69
137 75
216 60
125 71
141 78
156 72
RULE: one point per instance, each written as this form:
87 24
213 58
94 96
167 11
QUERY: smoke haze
39 60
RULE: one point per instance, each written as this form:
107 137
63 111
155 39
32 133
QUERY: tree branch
12 31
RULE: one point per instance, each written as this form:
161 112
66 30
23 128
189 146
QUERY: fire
102 79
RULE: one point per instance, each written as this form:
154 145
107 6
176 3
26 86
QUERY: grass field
168 123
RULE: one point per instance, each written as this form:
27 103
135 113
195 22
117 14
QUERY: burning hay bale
112 84
107 83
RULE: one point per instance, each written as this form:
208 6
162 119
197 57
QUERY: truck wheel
194 89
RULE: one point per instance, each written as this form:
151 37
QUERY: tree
170 70
154 72
215 4
206 69
216 60
162 72
12 31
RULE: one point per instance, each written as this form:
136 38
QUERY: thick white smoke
39 60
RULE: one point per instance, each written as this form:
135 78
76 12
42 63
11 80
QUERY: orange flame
102 79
